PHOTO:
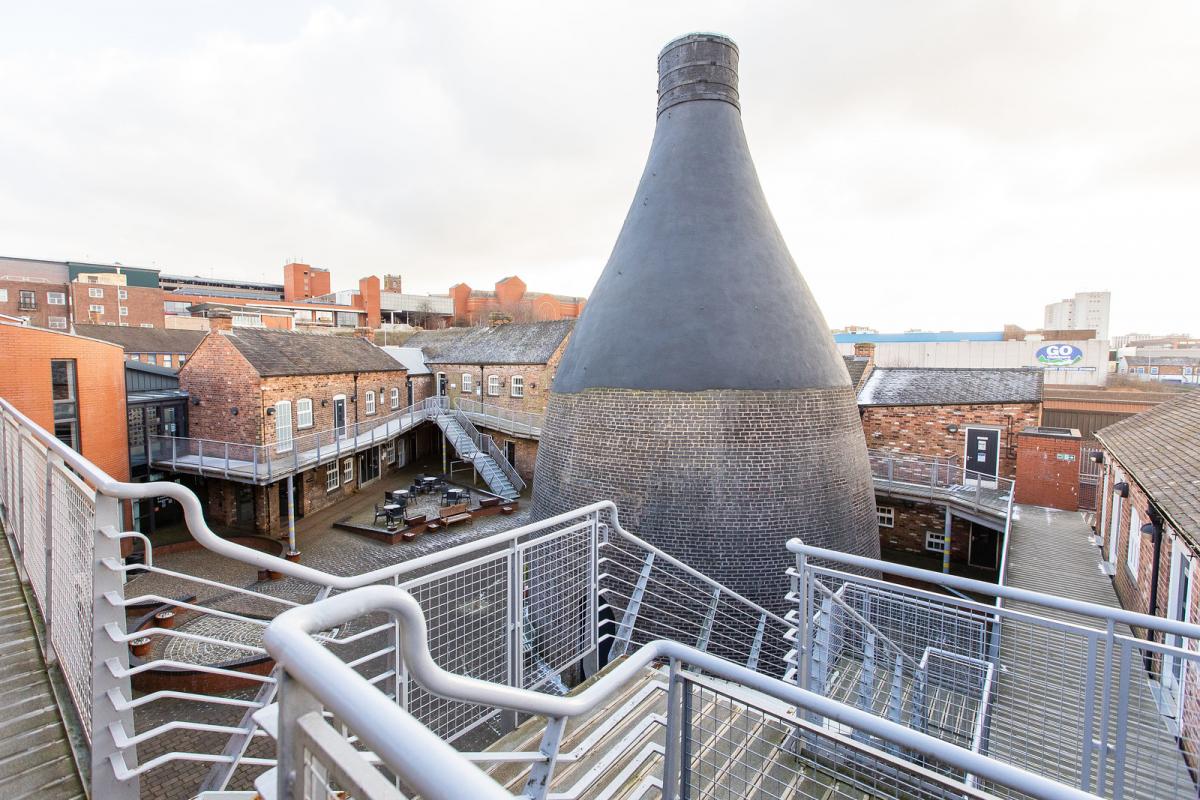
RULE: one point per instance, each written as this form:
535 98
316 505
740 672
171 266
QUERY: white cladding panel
1091 370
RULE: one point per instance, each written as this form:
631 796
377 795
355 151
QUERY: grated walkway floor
1047 668
35 755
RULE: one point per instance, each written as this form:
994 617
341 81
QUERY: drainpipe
1156 531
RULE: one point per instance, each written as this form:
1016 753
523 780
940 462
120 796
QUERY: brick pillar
368 289
1048 467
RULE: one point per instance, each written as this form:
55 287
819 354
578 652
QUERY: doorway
984 548
510 453
409 387
243 504
441 384
1179 599
982 458
339 414
1114 528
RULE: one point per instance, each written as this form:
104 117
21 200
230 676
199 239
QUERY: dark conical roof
700 291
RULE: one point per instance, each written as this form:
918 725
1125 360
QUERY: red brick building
1148 525
280 392
303 281
72 386
512 301
161 347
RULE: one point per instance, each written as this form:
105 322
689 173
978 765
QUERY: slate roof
144 340
511 343
930 386
275 353
1160 449
856 366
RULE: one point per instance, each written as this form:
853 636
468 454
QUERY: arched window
304 417
517 386
370 402
283 426
494 385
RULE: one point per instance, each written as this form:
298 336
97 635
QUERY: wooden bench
448 515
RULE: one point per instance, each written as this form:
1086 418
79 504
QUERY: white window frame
122 294
95 291
151 325
304 413
493 385
936 541
468 383
3 295
394 392
1133 545
333 476
516 386
348 470
166 359
58 323
95 308
886 515
370 402
283 426
123 311
56 298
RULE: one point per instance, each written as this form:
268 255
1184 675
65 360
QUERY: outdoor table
391 507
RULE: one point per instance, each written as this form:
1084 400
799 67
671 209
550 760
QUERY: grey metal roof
411 358
275 353
1160 449
511 343
938 386
144 340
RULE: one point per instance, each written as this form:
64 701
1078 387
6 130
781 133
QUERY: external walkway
35 754
1051 551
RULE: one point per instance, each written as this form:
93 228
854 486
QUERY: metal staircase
481 451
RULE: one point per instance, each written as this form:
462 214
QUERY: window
151 325
517 386
468 383
283 426
370 402
58 323
1133 547
95 291
122 294
493 385
66 403
333 476
1141 370
935 541
93 278
304 418
95 309
3 295
56 299
166 359
887 516
182 358
124 311
26 300
395 393
347 471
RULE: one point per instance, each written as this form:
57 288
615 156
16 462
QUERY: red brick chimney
368 289
865 350
220 320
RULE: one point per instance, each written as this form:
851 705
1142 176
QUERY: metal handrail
434 769
517 421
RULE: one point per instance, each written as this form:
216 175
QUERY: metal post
1105 704
946 552
53 462
675 735
709 618
591 663
629 619
516 650
1089 712
294 702
804 620
756 646
1125 661
174 440
291 516
227 459
254 455
104 651
201 455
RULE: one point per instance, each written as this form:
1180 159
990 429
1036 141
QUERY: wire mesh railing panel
558 622
734 749
74 516
33 517
467 612
10 477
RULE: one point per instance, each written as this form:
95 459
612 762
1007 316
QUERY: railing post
53 462
803 620
629 618
1105 704
672 773
254 455
1089 711
174 440
200 450
1126 657
227 459
294 702
106 652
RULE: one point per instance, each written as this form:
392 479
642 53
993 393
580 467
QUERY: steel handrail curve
436 770
1082 607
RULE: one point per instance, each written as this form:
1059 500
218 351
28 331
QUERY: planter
165 619
293 556
140 648
272 575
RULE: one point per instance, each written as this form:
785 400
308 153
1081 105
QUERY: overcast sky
932 164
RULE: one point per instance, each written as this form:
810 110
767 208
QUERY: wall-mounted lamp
353 399
270 410
951 429
324 403
1098 457
234 411
195 401
1122 489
